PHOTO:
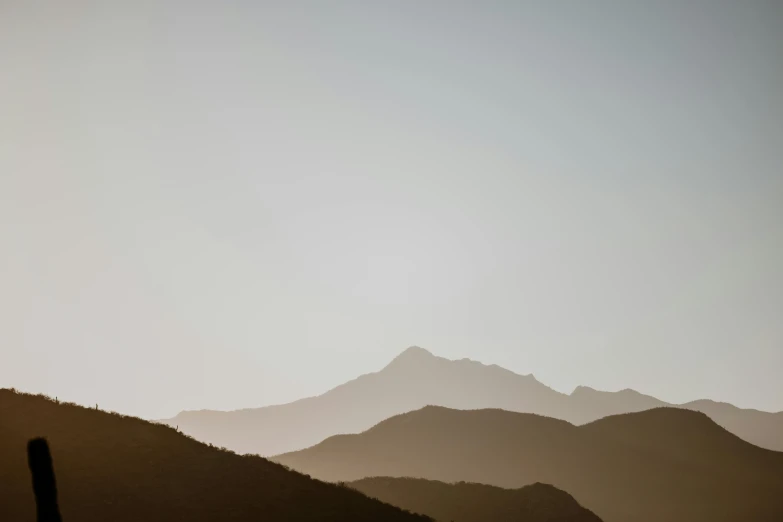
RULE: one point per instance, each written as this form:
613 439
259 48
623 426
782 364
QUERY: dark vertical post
44 486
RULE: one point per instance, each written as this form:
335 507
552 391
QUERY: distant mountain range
415 379
115 468
468 502
661 464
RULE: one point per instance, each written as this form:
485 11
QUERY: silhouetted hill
762 428
662 464
115 468
466 502
417 378
587 404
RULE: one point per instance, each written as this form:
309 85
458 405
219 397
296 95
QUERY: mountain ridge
416 378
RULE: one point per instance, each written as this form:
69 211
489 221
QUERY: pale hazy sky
231 204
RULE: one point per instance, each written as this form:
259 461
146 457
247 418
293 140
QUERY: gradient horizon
236 205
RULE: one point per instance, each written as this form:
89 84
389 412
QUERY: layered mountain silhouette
467 502
661 464
112 467
415 379
761 428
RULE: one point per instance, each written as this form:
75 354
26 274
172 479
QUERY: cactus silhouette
44 486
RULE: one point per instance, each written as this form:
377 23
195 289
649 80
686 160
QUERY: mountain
415 379
466 502
111 467
661 464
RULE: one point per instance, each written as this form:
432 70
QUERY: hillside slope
111 467
466 502
662 464
415 379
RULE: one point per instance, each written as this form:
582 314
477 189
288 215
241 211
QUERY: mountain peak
415 350
583 390
412 355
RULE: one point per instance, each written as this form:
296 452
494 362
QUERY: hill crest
121 468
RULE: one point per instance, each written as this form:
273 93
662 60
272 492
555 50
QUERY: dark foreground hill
415 379
115 468
661 464
466 502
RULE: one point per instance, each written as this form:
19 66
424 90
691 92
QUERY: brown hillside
111 467
663 464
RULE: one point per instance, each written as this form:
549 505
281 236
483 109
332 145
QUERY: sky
234 204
